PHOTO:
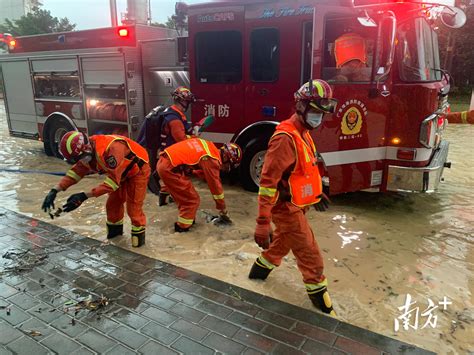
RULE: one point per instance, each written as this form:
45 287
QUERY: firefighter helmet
318 94
73 145
183 93
231 152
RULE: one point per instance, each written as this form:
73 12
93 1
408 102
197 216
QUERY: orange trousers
131 192
294 233
182 191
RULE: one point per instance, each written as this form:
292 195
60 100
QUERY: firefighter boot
321 300
179 229
114 230
162 199
138 236
259 270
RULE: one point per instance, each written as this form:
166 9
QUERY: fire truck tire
56 132
252 163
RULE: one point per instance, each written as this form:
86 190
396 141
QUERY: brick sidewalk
155 308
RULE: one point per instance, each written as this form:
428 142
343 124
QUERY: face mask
314 119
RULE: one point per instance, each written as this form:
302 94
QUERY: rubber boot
114 230
162 199
322 301
258 271
138 238
179 229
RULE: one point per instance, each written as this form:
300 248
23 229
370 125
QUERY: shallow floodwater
377 248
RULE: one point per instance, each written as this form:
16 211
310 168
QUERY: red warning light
12 43
123 32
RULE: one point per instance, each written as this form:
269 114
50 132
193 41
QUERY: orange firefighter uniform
174 167
290 182
125 164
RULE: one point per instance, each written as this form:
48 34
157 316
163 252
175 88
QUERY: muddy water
377 248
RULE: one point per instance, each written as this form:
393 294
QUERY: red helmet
231 152
318 94
73 145
183 93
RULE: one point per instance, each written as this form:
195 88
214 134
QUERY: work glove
323 203
74 201
263 232
48 202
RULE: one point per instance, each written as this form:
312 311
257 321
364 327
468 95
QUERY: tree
36 22
175 22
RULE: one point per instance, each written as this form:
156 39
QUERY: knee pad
322 301
259 271
114 230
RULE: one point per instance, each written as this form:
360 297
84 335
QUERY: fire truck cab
248 57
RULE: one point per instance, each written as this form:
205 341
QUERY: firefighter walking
178 162
290 183
125 164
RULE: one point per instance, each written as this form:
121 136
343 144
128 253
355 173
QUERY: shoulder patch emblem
111 162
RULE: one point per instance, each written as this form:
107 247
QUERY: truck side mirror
453 17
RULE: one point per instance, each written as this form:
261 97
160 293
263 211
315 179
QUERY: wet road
377 248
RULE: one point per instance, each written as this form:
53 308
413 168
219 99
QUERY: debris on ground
89 303
19 260
34 333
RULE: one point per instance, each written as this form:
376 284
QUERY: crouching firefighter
180 160
290 183
125 164
163 127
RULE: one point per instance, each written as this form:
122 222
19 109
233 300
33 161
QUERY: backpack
150 132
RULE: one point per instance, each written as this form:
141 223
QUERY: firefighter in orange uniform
350 53
125 164
290 183
180 160
176 127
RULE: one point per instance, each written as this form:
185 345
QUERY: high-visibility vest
103 142
348 47
305 181
191 151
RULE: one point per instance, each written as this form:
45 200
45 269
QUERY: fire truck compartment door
104 70
54 65
19 95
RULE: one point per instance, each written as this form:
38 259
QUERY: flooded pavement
61 292
377 248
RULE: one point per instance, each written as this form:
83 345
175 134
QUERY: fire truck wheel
56 132
252 164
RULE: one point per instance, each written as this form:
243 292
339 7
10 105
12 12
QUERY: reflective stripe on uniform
218 197
314 288
185 221
111 183
119 223
267 191
72 174
264 263
464 117
206 147
138 229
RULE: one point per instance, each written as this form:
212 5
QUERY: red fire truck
245 60
97 81
248 57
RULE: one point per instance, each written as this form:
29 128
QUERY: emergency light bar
451 3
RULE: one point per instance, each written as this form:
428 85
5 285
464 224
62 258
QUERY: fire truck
244 60
100 81
247 58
